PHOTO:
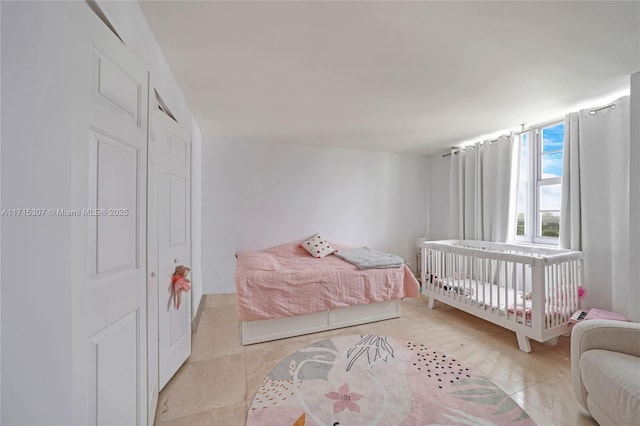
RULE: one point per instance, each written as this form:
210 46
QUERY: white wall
37 75
260 195
0 222
634 232
439 197
131 25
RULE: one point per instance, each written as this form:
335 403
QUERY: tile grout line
547 412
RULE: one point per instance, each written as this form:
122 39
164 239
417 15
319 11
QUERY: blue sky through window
553 137
552 141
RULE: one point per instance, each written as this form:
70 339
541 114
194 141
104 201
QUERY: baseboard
196 320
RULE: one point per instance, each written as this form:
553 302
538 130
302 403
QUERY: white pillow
317 246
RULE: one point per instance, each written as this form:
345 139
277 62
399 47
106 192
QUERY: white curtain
570 213
482 200
595 203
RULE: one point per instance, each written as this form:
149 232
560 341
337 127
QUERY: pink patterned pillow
317 246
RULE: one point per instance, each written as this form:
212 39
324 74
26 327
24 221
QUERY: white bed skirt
280 328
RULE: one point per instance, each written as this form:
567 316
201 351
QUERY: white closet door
152 270
174 212
116 305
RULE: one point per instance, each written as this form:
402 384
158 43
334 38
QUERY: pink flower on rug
344 399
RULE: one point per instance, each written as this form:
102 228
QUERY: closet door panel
114 182
116 389
174 243
116 284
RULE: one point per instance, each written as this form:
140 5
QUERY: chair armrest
615 336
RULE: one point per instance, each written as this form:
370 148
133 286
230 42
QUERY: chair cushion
612 381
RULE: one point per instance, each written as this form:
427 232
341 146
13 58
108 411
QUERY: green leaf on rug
480 382
508 405
522 416
487 400
477 391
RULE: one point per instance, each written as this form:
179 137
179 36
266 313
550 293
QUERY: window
539 185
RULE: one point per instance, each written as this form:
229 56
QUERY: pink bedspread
285 281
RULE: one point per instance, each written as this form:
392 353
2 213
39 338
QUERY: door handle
175 260
153 274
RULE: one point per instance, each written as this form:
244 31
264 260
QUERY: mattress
284 281
495 298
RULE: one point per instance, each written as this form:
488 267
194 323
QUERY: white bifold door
152 270
171 146
116 306
138 166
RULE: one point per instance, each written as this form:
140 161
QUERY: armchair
605 370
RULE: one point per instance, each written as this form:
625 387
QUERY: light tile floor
217 383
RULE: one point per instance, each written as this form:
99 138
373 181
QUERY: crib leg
523 343
432 302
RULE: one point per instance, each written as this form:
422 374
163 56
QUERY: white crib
531 290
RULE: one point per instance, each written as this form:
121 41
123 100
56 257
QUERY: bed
283 292
531 290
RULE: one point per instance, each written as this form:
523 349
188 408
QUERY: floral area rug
377 380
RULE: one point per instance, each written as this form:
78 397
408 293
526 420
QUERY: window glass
550 197
552 138
549 211
540 184
551 165
522 209
523 187
550 224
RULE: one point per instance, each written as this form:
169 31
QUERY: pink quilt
285 281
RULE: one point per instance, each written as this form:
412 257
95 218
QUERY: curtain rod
498 138
502 136
489 142
592 111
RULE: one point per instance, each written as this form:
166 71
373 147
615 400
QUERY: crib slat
490 282
499 287
572 287
563 294
476 277
526 278
557 296
456 260
513 289
566 305
548 289
549 297
502 287
553 296
485 279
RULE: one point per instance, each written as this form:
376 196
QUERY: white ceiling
408 77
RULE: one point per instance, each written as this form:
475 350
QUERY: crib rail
520 253
531 290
